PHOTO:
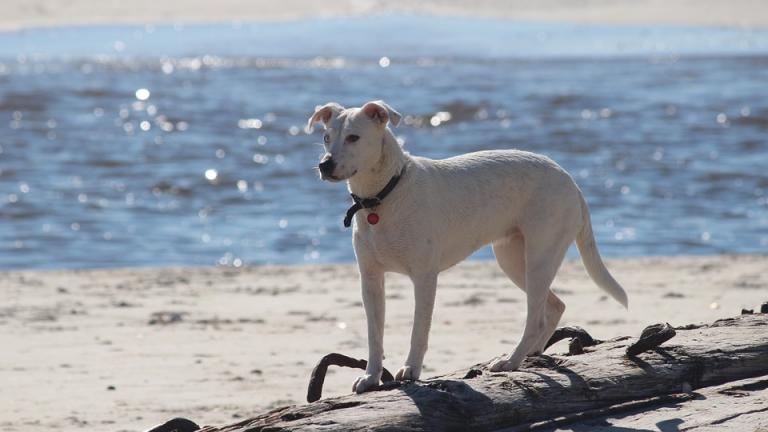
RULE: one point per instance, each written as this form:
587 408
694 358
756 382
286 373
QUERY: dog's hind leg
555 309
510 254
542 258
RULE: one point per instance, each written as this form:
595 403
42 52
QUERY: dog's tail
590 256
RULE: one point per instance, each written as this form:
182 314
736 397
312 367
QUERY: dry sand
17 14
127 349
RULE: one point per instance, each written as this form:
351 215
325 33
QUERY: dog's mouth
336 179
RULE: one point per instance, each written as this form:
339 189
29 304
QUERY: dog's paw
504 365
364 383
407 373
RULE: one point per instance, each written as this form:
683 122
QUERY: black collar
366 203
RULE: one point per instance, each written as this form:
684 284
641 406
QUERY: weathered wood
651 338
734 406
573 332
177 424
601 414
545 388
316 380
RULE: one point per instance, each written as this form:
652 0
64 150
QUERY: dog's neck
368 183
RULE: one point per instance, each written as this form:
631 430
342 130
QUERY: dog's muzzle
327 167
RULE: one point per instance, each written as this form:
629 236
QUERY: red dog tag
373 218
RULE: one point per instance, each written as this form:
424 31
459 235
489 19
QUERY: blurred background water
185 145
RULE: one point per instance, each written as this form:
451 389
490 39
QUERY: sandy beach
19 14
127 349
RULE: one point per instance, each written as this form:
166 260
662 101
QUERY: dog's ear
325 114
381 112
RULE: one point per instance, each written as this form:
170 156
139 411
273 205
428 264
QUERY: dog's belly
465 241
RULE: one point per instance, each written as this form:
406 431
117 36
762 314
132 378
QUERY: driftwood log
555 390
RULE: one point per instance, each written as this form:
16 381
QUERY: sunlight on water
142 94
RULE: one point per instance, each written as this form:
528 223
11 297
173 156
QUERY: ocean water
185 145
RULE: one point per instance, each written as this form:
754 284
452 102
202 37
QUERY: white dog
418 217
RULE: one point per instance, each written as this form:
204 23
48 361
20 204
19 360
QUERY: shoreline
251 268
34 14
129 348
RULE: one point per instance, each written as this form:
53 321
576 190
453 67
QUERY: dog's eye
352 138
326 138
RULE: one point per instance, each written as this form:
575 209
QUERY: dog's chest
386 242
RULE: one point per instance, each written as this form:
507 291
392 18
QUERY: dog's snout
327 165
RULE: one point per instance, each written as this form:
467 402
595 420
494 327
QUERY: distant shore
125 349
20 14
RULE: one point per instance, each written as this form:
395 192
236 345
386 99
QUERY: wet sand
18 14
127 349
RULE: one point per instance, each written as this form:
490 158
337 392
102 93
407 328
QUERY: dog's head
353 137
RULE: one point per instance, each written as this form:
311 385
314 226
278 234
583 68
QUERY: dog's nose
327 166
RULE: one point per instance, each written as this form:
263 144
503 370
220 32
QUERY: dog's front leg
424 286
373 301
